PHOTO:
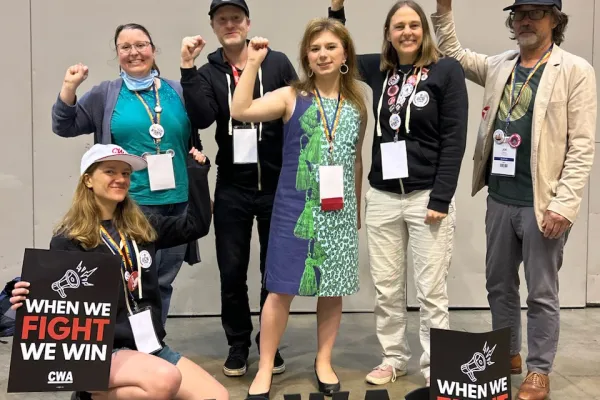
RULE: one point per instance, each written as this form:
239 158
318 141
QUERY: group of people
289 155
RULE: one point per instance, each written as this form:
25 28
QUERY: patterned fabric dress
313 252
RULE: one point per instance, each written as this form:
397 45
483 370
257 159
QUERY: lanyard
407 118
156 130
155 118
127 265
513 83
329 129
236 77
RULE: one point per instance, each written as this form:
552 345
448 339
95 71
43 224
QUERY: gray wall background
38 170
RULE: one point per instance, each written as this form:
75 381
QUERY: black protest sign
64 331
467 366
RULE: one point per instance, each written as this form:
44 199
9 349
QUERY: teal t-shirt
517 190
129 128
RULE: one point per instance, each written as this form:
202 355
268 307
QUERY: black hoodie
206 100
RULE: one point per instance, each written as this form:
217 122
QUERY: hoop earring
310 73
344 69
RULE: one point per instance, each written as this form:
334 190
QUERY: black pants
234 211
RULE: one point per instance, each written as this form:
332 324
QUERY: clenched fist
337 5
257 50
198 155
191 47
444 6
75 75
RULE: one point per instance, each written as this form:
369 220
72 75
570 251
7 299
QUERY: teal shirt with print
129 128
517 190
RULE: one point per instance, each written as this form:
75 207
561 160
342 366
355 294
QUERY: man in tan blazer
534 151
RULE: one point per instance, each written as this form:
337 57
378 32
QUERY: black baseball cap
215 4
556 3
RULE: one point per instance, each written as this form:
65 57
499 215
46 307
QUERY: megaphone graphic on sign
70 280
478 362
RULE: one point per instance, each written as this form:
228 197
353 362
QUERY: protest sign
64 330
469 366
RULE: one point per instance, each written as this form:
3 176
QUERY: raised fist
444 5
257 49
337 5
191 47
75 75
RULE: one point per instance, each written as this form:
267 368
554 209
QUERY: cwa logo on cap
107 152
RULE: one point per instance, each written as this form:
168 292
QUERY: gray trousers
513 237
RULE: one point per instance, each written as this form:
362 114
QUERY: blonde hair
82 222
349 84
429 53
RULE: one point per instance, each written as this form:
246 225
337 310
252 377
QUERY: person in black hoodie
420 104
101 216
248 163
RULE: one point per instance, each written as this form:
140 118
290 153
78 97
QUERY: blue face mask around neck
136 84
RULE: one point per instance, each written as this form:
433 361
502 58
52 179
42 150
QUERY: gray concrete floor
576 373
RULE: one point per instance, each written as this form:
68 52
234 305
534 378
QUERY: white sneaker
383 374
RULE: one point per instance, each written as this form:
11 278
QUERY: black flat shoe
327 389
262 396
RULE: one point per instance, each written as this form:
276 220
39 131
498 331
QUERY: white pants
395 222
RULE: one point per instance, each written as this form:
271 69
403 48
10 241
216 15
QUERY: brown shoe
515 364
536 386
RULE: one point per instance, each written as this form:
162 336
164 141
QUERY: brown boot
536 386
515 364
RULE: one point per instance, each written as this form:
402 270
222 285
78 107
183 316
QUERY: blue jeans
166 353
168 261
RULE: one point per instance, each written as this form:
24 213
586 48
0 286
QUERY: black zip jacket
437 139
172 231
206 100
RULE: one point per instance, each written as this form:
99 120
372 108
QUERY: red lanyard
236 75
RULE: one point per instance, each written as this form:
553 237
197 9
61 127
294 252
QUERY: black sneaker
237 361
279 364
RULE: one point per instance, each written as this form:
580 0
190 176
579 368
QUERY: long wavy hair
82 222
349 83
428 53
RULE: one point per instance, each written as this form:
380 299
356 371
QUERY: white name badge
394 163
245 146
143 332
160 172
331 187
504 158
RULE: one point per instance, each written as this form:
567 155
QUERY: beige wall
41 38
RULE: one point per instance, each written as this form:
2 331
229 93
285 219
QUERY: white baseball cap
106 152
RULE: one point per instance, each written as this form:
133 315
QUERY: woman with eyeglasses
421 107
145 114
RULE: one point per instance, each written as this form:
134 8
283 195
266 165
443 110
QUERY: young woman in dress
313 246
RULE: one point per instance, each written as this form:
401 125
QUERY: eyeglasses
534 15
125 48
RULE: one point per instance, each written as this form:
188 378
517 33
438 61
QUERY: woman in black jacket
421 106
101 216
